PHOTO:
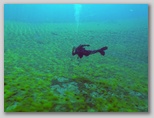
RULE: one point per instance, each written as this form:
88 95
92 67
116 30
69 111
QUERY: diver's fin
101 51
104 48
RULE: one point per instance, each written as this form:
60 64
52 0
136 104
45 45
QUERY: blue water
69 12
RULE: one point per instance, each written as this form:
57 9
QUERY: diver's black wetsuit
80 51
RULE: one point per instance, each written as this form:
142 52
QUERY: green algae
113 83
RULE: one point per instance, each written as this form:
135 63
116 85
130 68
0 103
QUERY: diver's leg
94 51
87 52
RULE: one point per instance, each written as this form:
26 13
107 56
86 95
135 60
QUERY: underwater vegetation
41 75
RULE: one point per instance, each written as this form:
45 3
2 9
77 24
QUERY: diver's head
105 48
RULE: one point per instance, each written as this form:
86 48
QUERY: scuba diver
80 51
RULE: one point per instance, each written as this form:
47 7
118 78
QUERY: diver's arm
85 45
73 51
